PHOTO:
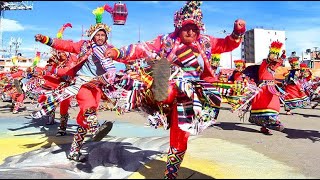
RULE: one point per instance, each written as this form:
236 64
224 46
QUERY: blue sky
299 19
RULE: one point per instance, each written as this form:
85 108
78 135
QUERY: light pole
15 43
139 33
110 36
314 57
226 33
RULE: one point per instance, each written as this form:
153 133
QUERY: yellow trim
47 40
264 110
183 54
117 52
294 99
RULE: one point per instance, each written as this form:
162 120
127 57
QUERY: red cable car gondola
119 13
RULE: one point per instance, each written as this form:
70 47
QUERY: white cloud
9 25
300 40
35 28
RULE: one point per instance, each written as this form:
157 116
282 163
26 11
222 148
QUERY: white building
255 46
23 63
6 63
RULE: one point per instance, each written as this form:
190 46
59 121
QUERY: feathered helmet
54 55
240 63
304 66
215 59
305 70
294 63
53 58
99 25
29 69
275 48
14 68
190 13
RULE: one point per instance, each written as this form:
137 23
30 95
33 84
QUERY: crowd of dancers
85 72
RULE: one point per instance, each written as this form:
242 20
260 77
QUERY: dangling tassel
174 161
77 143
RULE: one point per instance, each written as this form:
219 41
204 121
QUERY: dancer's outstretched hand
239 27
111 53
38 37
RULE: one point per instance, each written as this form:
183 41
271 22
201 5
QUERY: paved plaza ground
231 149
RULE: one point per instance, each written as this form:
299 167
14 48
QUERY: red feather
294 59
108 8
276 44
303 65
67 25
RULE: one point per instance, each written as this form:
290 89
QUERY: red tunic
268 98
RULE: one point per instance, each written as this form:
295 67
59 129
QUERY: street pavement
231 149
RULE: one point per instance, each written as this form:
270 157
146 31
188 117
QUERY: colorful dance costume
266 105
295 95
91 72
193 100
310 84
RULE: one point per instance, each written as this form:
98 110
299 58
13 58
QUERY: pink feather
108 8
67 25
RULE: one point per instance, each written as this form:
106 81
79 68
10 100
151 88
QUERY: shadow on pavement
307 115
120 154
6 106
291 133
302 134
108 155
49 132
234 126
155 170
